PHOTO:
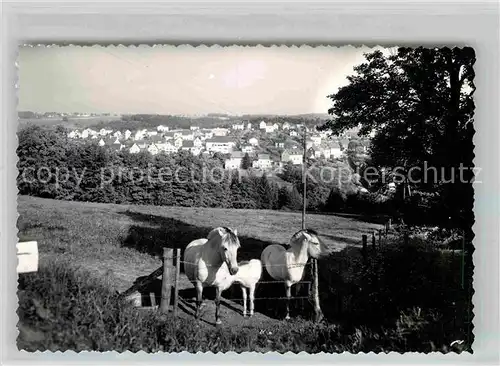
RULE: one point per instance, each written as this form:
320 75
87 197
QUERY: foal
248 275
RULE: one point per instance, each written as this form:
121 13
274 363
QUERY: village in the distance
269 141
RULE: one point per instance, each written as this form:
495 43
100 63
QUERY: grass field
89 251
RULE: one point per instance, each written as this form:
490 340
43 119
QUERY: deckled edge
248 44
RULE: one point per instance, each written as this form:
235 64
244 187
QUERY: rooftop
220 139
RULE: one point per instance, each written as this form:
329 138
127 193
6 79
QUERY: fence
170 273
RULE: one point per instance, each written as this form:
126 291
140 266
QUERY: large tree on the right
417 103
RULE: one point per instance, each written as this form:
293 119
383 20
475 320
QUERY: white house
263 162
269 128
194 128
85 133
139 135
184 134
206 134
262 125
293 133
189 146
162 128
153 149
134 149
142 144
249 126
178 142
234 161
253 141
222 144
220 131
292 155
247 149
276 126
197 142
127 134
335 150
72 134
117 134
316 139
151 133
286 126
238 126
279 144
101 142
166 146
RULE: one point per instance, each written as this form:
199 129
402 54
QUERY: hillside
125 240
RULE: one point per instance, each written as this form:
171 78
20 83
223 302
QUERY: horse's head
309 237
228 246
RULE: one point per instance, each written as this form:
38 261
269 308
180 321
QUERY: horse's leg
199 297
244 295
217 305
288 295
252 297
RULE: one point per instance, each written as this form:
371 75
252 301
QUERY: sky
184 79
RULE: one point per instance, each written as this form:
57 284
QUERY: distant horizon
209 114
182 80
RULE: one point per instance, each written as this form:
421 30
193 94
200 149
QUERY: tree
418 103
246 162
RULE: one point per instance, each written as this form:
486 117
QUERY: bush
376 291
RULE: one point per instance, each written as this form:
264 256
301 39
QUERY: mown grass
66 308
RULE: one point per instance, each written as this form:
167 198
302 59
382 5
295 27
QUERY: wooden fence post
166 285
176 281
373 240
365 243
317 309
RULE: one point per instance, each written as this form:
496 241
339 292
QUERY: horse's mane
309 231
312 232
231 236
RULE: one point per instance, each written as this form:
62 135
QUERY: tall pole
304 180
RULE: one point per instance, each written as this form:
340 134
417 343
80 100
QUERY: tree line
53 166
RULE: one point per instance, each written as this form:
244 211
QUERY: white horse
248 275
211 262
288 265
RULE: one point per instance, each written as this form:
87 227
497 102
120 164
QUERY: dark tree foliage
418 102
53 166
246 162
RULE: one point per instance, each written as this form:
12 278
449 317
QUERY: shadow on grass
152 233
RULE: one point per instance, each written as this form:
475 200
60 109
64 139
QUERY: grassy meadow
89 251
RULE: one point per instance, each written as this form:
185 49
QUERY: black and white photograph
245 198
